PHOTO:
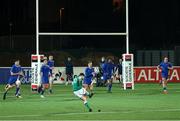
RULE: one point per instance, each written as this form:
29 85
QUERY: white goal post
90 34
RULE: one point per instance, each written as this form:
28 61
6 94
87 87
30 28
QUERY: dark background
154 24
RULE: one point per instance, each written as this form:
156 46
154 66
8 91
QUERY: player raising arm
165 67
81 92
15 73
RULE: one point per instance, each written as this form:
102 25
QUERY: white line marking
90 113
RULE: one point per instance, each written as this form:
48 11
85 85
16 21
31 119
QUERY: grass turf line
146 102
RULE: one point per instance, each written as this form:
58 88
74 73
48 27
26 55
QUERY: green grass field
145 102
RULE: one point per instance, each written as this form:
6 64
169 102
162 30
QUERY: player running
51 65
89 76
81 92
108 73
15 73
45 72
165 67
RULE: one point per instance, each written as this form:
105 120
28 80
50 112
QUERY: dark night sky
154 24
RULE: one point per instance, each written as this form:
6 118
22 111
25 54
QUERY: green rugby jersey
77 84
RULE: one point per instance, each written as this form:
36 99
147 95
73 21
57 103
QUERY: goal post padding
127 71
36 62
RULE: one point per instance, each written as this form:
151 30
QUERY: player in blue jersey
89 77
51 78
104 71
165 67
110 70
108 73
45 72
99 75
15 74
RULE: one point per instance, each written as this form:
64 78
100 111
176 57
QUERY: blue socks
17 91
109 87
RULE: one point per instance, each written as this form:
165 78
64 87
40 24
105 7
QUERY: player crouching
45 72
80 91
15 73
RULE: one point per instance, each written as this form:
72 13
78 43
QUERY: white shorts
80 93
51 79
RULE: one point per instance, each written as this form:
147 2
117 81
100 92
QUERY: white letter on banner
142 75
157 74
150 76
174 74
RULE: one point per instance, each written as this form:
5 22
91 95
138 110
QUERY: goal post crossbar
105 34
128 64
38 33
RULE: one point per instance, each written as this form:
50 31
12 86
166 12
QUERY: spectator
119 70
69 70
